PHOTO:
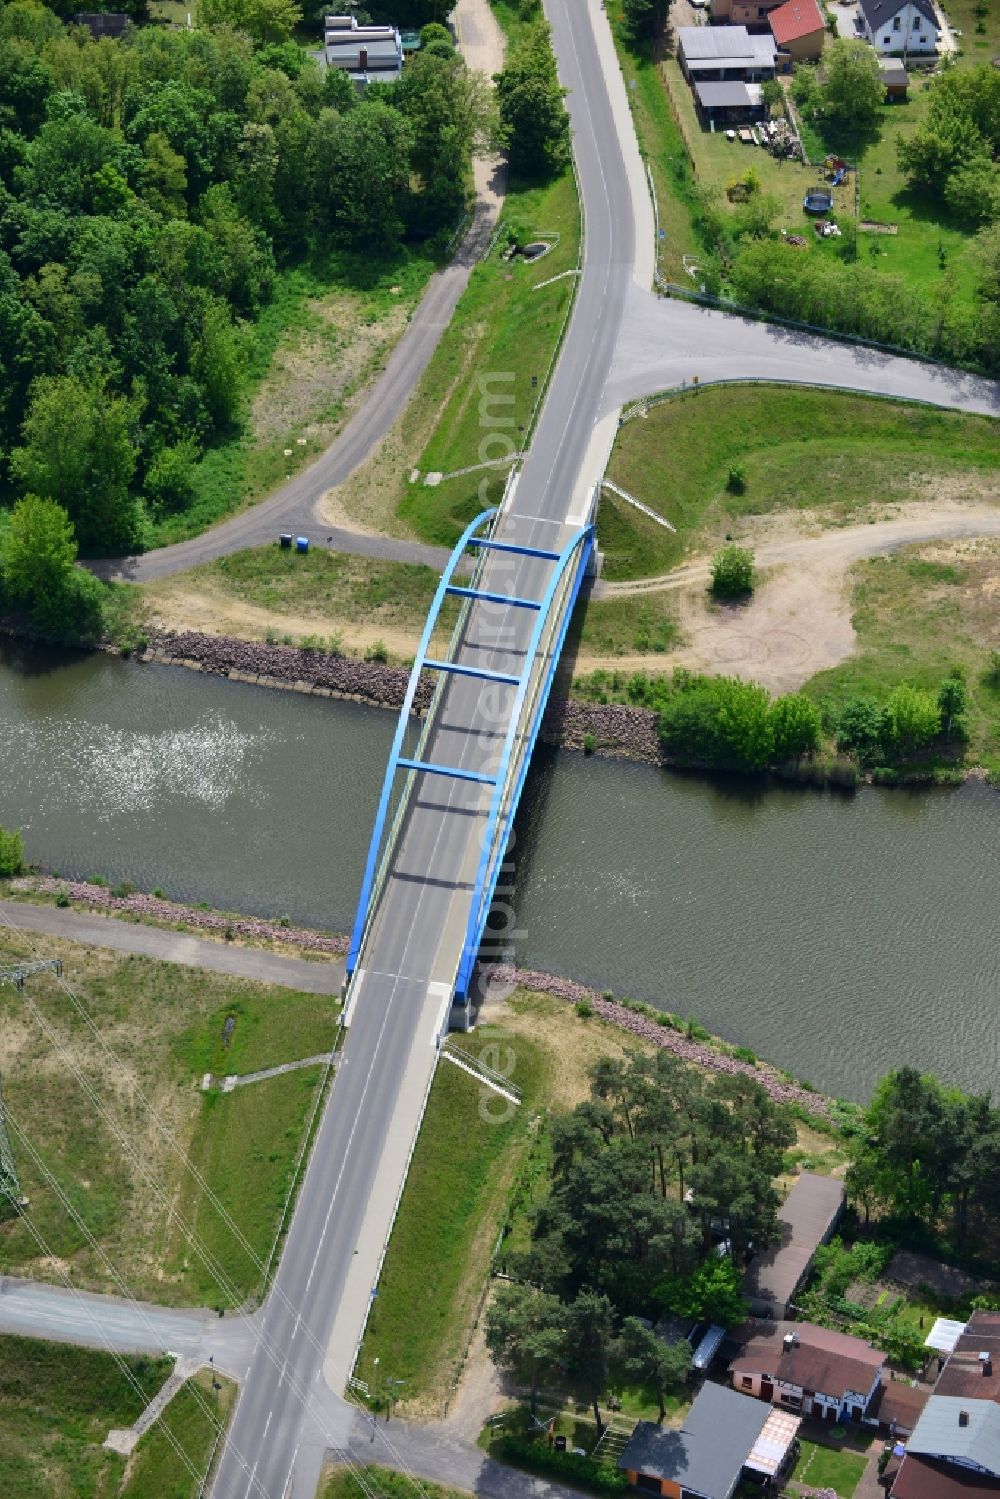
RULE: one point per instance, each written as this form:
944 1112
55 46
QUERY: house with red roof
798 29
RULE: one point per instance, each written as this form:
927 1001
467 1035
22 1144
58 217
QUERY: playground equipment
817 200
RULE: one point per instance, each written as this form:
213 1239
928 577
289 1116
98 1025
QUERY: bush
861 728
584 1009
736 482
795 725
538 1457
11 853
732 572
718 722
62 900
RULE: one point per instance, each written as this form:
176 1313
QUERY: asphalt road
401 991
311 977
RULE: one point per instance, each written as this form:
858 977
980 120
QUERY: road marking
267 1424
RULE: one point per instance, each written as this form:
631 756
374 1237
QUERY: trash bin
560 1442
302 543
285 541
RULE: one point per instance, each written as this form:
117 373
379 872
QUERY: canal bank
838 936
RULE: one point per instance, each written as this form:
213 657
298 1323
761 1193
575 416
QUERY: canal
837 936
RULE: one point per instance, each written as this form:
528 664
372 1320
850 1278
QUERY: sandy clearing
799 619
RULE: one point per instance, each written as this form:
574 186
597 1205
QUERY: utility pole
10 1187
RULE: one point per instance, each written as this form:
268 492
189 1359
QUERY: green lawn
57 1404
802 449
342 1484
918 614
192 1423
619 627
165 1023
470 1145
823 1467
245 1146
488 373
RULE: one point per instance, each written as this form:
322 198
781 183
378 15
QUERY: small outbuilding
729 103
895 78
806 1220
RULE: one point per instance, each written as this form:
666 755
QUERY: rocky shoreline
640 1021
604 728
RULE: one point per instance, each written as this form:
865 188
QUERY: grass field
328 328
80 1115
917 614
467 1155
480 391
825 1468
191 1423
342 1484
802 449
57 1404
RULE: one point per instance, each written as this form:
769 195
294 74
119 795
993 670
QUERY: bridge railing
541 659
376 868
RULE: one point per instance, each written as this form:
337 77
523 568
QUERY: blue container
302 543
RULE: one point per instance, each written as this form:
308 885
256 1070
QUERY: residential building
723 1435
798 29
752 14
719 54
365 53
812 1371
905 26
806 1219
954 1450
113 24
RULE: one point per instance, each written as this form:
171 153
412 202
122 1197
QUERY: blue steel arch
361 918
495 837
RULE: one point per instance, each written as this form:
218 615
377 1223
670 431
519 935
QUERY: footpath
312 977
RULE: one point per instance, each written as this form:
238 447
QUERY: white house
363 52
906 26
812 1371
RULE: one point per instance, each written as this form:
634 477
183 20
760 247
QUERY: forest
151 190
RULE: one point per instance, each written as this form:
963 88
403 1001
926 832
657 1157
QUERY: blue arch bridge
491 645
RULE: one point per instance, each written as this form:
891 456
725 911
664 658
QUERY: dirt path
799 619
173 947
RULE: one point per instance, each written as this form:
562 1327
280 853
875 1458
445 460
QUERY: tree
525 1333
912 718
264 20
733 572
534 124
589 1332
952 701
169 485
713 1294
362 174
853 93
795 724
644 19
653 1361
37 562
451 115
78 449
862 729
